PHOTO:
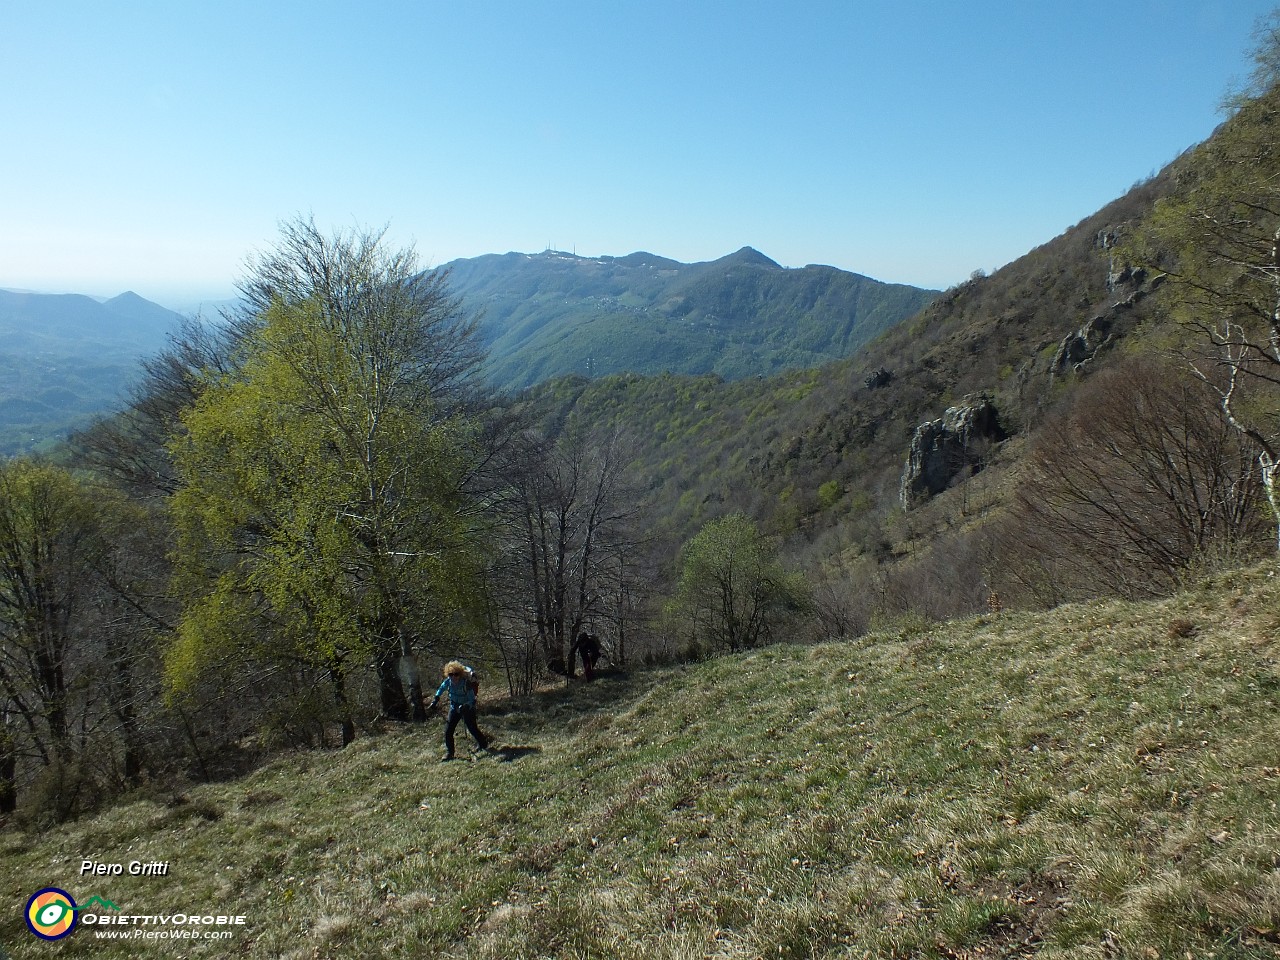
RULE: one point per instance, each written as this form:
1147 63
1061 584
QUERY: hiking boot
446 758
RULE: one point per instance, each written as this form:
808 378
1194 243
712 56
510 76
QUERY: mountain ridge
740 315
127 321
67 357
816 456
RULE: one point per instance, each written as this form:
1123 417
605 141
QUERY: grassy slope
1100 781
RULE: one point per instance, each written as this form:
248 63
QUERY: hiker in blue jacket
459 680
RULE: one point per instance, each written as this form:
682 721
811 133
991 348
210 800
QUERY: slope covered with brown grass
1099 781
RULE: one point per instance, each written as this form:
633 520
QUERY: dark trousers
467 714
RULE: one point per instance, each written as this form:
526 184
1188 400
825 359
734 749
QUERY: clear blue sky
153 145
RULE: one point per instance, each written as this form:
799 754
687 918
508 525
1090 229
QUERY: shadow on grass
509 754
567 700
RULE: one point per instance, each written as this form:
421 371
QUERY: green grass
1100 781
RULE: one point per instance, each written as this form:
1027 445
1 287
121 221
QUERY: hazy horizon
903 140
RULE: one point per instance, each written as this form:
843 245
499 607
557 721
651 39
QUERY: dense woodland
554 314
309 506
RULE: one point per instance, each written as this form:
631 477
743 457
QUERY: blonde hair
453 666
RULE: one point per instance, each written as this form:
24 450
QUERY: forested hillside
68 358
818 454
555 313
1077 353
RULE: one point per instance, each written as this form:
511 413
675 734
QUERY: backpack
473 681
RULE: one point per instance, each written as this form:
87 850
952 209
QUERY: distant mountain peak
749 256
553 313
129 301
642 258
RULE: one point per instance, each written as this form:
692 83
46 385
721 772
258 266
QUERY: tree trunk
195 744
53 690
1270 467
8 767
122 694
338 678
390 689
413 676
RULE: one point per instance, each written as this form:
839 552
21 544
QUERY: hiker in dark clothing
588 647
461 683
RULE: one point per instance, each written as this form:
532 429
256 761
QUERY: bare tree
570 547
67 669
1138 480
1266 63
1218 240
132 446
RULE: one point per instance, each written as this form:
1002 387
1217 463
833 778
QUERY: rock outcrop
1078 348
941 450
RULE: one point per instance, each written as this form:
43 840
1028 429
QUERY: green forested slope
65 359
706 446
742 315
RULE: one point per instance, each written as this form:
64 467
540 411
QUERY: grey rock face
943 449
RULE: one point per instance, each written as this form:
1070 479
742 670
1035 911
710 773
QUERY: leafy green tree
48 538
733 589
61 655
322 513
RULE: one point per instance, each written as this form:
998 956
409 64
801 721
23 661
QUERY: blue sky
152 146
